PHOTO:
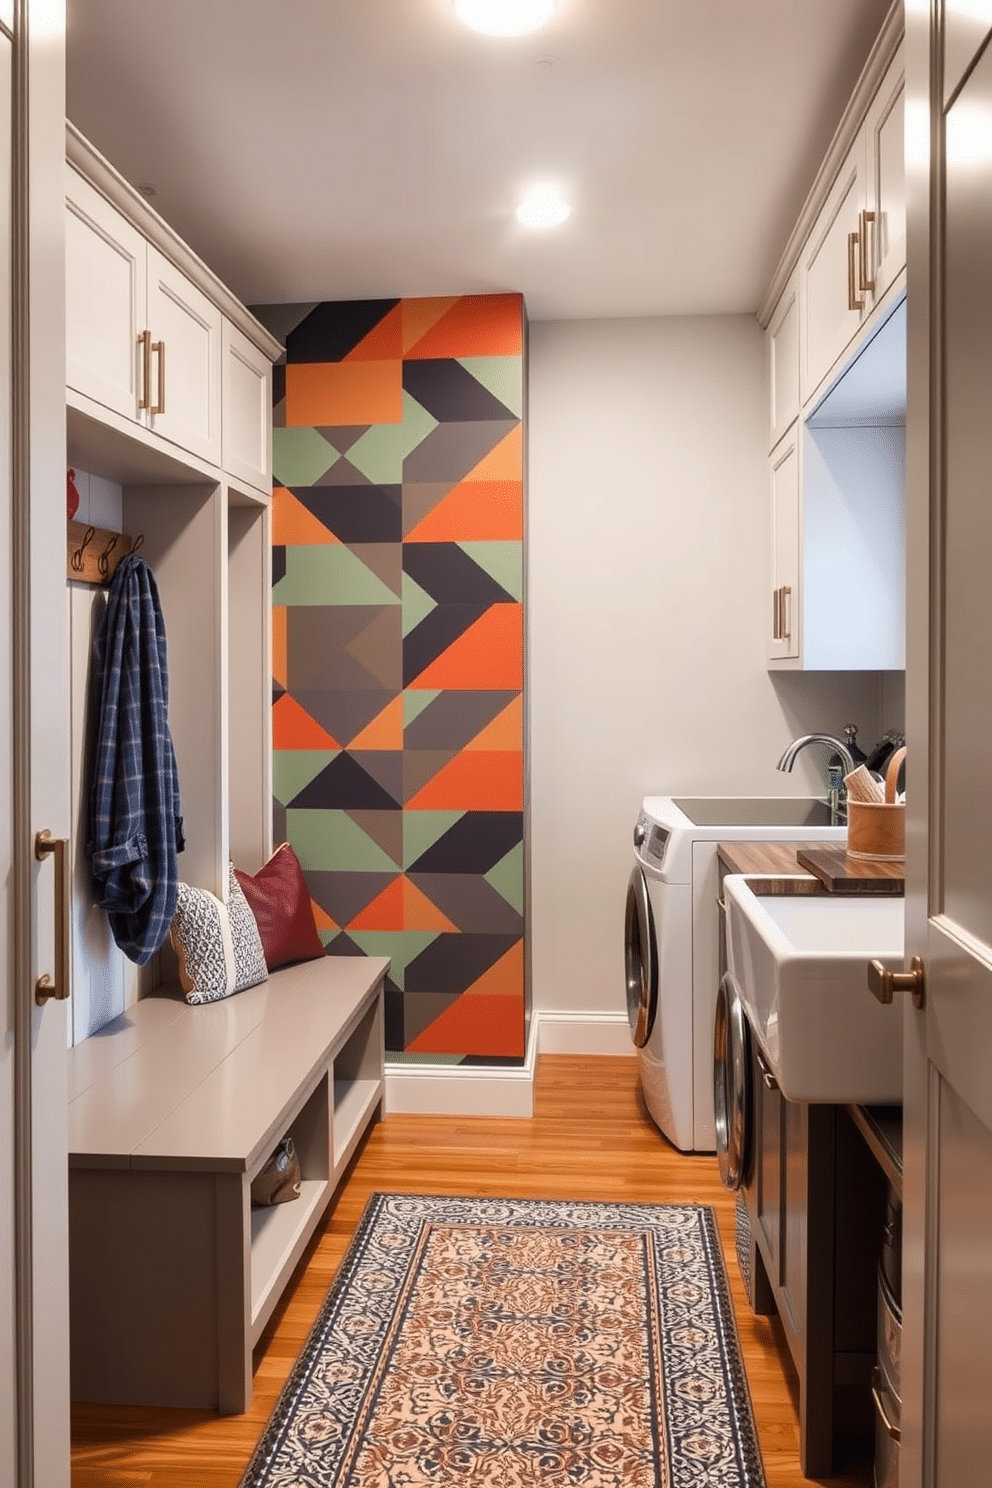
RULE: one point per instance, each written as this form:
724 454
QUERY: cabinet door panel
785 600
887 179
768 1160
794 1214
105 300
783 359
828 320
247 410
186 373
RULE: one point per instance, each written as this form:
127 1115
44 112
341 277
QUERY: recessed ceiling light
543 206
505 17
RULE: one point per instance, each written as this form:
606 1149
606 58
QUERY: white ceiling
340 149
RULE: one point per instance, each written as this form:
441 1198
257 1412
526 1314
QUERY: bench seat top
167 1085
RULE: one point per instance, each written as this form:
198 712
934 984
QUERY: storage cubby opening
357 1083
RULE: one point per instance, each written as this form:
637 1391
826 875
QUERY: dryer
671 940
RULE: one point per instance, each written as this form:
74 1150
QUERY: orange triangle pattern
486 1024
505 979
505 732
490 654
486 780
505 462
384 343
402 906
293 728
280 646
385 731
419 316
321 918
476 325
293 525
476 511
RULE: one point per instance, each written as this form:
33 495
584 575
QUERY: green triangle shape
501 376
329 575
301 456
421 829
330 841
502 561
401 946
292 769
415 700
417 603
380 453
507 877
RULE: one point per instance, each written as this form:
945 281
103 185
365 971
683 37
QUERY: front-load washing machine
671 940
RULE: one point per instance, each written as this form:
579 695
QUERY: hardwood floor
590 1138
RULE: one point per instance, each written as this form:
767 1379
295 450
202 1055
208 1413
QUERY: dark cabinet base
814 1202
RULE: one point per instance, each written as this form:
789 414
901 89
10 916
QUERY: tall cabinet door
833 306
785 597
105 301
886 180
34 776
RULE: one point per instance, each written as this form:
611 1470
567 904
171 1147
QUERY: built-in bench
173 1110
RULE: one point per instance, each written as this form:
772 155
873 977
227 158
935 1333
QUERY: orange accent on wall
385 912
321 918
505 979
280 646
475 511
490 654
505 732
293 728
385 731
483 780
293 525
476 1025
419 316
477 325
384 343
328 393
505 462
420 913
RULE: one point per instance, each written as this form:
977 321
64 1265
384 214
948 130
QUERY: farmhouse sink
799 963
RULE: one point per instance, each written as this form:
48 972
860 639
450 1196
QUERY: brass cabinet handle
786 610
159 348
884 984
776 623
891 1429
145 342
44 845
864 282
853 303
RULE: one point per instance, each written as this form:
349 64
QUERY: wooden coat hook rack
93 553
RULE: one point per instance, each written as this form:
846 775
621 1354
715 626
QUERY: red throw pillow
280 902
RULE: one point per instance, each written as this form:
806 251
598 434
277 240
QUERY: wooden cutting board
843 875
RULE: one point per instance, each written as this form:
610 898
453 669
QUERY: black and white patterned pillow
218 945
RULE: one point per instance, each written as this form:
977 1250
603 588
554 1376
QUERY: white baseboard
583 1033
457 1090
475 1090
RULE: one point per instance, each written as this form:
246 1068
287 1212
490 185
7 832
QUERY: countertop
774 862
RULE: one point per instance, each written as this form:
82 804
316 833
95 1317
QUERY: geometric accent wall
398 644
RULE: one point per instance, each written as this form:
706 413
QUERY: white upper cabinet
833 305
247 404
783 362
184 360
106 296
886 181
786 608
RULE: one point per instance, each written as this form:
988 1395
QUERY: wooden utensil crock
877 829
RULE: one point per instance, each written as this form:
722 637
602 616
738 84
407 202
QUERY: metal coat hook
137 542
104 559
77 557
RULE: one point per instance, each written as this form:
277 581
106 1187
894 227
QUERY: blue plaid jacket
136 826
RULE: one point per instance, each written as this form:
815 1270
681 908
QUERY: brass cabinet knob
884 984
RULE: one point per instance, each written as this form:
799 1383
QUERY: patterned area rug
511 1343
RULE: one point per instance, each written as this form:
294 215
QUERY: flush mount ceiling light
543 206
505 17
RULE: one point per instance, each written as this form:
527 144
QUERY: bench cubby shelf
173 1111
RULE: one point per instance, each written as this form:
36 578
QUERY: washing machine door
732 1086
641 959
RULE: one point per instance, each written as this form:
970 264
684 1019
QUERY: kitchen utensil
877 829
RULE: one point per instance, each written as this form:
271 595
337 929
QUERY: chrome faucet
835 794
